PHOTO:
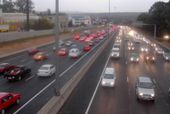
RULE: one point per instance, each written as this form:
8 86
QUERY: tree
8 6
144 17
21 5
42 24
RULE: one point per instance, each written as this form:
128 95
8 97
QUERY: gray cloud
96 5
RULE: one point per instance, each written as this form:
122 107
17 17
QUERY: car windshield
135 55
167 54
146 85
44 68
108 76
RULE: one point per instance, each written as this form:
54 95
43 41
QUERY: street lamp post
56 31
27 13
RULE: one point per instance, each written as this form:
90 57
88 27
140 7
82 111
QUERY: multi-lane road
92 98
37 91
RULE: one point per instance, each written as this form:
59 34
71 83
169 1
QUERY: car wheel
19 78
18 101
3 111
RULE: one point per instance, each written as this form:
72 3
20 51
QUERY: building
81 20
16 20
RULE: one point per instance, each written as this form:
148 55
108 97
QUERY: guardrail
11 36
55 103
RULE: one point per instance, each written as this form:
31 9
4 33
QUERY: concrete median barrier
56 102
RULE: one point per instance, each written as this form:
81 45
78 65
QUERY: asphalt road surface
37 91
92 98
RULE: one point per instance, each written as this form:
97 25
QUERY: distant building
81 20
15 20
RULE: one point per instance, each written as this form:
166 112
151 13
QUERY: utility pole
56 31
155 31
109 21
27 13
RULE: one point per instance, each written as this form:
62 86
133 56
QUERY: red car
62 52
40 56
87 48
33 51
8 99
76 37
4 67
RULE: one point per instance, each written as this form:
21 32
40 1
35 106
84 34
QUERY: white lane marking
127 79
34 97
126 62
77 61
90 103
29 78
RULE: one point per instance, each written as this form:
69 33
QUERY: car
131 48
130 43
149 57
33 51
145 88
87 48
60 43
76 36
144 49
7 100
116 48
101 37
74 53
134 57
17 73
40 56
5 67
62 52
115 54
68 43
159 51
108 78
91 43
46 70
166 56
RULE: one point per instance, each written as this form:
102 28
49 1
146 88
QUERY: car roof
47 65
2 94
145 79
109 70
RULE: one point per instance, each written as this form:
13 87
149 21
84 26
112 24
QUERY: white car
144 49
108 79
145 88
166 56
115 54
159 51
46 70
74 53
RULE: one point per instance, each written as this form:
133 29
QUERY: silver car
145 89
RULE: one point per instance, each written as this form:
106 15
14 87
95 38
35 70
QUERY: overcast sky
96 5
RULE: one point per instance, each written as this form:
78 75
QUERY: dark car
150 58
33 51
17 73
4 67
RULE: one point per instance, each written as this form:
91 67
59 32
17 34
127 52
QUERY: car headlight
166 57
147 58
141 94
146 50
112 83
153 58
131 59
137 59
152 95
103 82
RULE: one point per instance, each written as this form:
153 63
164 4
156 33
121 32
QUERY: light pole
56 31
109 21
27 14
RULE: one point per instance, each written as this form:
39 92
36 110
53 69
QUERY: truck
4 28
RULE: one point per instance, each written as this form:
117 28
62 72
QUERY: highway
37 91
92 98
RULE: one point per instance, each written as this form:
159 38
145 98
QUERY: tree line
10 6
158 14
